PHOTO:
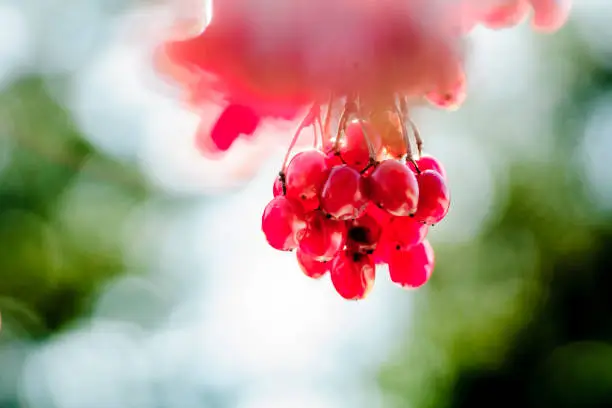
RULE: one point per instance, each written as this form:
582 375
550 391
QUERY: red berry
304 178
434 198
280 221
394 187
333 160
368 171
354 146
352 274
277 188
363 234
429 163
234 121
310 266
412 269
344 193
381 216
400 234
322 237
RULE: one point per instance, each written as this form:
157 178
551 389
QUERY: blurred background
133 273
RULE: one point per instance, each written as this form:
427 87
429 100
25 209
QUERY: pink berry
280 221
451 98
310 266
277 187
412 268
381 216
427 162
507 14
344 193
354 146
363 234
394 187
400 234
322 237
304 178
333 160
353 274
234 121
550 15
434 198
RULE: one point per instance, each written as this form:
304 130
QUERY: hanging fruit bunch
365 194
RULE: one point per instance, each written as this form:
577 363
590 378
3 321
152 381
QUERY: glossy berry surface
277 187
393 186
348 222
280 221
434 198
334 159
427 162
354 147
310 266
352 274
401 234
322 237
412 268
381 216
305 176
343 196
363 234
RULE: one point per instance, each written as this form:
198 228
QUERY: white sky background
246 323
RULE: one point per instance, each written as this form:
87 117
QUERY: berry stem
350 108
328 115
415 130
417 136
371 152
307 121
405 134
316 127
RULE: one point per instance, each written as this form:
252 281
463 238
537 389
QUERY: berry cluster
355 204
360 198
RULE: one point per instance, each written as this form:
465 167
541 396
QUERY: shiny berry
333 159
381 216
451 98
354 145
427 162
344 193
400 234
412 268
277 187
434 198
322 237
352 274
363 234
394 187
280 221
304 178
310 266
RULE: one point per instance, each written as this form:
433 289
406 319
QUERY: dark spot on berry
328 216
359 234
369 251
303 197
398 247
411 215
356 256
